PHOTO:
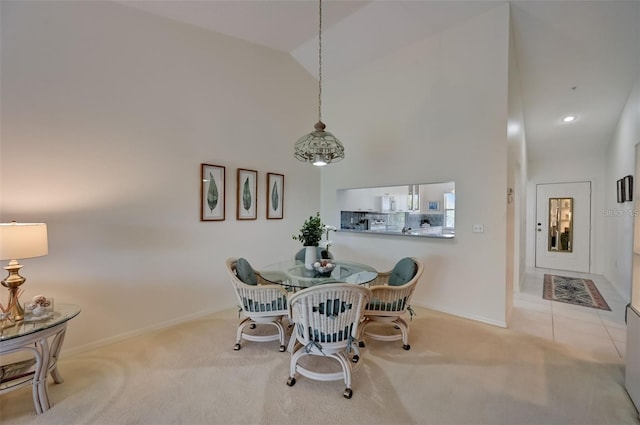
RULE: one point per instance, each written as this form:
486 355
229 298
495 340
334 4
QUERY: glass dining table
294 274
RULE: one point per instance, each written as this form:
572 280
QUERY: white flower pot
309 257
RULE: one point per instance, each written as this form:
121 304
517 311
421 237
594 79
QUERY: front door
563 226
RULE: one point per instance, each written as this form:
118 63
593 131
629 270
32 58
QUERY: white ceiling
593 46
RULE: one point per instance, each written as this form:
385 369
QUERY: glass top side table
40 340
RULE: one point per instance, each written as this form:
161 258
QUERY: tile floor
600 334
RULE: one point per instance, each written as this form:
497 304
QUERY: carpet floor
573 290
457 372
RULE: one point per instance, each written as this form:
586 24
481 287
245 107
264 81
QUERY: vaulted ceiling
574 57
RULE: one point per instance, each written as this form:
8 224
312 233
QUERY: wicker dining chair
326 319
261 302
391 294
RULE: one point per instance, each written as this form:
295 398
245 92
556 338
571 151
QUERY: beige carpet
457 372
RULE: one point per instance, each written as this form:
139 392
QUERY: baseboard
473 317
197 315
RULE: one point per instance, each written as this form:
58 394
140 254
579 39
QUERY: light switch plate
478 228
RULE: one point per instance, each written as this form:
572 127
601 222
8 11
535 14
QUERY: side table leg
57 378
56 345
40 380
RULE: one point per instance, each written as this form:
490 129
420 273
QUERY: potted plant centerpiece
310 235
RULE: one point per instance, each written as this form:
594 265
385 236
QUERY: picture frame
620 191
247 194
275 196
627 185
212 192
433 206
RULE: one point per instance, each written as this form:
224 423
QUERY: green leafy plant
311 231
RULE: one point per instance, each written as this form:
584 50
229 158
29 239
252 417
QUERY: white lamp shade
23 240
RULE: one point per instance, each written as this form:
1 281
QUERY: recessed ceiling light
569 118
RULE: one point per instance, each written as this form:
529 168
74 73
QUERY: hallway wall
618 218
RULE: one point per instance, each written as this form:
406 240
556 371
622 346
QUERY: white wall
107 114
618 218
516 179
434 111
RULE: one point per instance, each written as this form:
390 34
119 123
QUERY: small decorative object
247 197
324 267
39 305
310 235
433 206
39 308
212 192
275 196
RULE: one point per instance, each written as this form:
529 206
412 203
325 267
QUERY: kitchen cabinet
358 200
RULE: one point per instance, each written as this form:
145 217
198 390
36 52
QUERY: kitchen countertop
415 233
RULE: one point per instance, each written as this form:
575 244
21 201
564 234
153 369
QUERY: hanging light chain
319 147
320 61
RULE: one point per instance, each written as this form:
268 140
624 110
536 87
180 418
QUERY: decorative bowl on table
324 267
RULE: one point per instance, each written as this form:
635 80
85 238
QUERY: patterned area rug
573 290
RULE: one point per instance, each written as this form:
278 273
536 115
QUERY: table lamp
18 241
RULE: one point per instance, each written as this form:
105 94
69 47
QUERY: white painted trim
202 313
473 317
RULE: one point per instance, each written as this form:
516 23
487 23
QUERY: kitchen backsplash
356 220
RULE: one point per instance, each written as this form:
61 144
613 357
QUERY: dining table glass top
293 273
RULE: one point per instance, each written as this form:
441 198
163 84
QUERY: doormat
573 290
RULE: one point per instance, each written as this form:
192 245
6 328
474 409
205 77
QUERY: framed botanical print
212 192
247 194
620 197
627 183
275 196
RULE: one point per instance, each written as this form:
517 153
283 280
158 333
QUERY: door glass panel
560 224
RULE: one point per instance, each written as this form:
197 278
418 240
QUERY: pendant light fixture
319 147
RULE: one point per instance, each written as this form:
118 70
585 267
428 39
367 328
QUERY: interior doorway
563 226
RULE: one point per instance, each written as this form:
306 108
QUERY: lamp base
13 282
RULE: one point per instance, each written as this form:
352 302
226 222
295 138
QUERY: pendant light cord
320 62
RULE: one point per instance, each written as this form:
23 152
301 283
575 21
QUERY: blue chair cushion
245 272
402 272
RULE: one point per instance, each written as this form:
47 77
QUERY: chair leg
340 356
252 324
398 323
404 328
356 351
281 333
346 370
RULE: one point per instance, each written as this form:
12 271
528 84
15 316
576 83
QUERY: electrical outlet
478 228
